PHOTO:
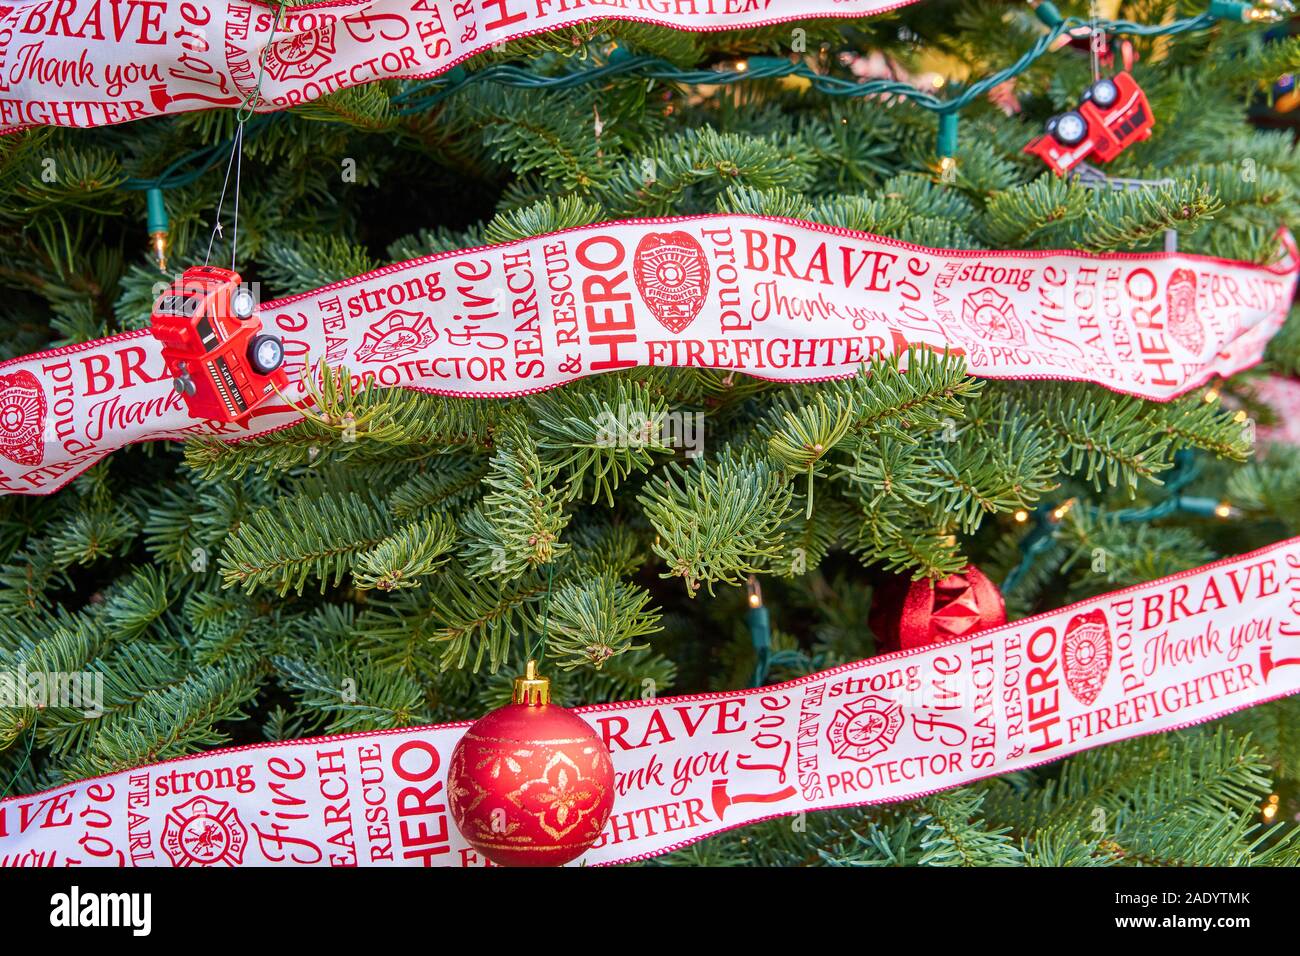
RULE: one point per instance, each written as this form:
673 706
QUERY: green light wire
429 93
760 68
1039 540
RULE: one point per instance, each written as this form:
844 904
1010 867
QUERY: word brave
723 717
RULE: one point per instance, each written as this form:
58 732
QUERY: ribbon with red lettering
99 62
1158 656
774 298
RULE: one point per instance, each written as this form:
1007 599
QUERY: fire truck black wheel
265 353
1104 94
1069 129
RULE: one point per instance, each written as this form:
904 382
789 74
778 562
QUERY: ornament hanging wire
236 161
538 651
31 741
1095 41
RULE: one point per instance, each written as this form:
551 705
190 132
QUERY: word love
890 728
774 298
99 62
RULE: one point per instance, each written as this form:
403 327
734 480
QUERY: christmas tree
394 558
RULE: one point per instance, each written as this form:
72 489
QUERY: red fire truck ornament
1112 116
221 362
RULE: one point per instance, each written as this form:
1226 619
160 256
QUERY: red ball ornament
531 784
908 614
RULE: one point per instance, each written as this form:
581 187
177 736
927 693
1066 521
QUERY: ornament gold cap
530 689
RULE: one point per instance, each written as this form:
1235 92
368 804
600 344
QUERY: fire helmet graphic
396 335
1184 323
1085 655
672 276
300 56
22 418
204 832
992 317
865 727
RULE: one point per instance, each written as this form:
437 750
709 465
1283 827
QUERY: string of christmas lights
622 62
1047 517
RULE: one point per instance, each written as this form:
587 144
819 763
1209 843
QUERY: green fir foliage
395 557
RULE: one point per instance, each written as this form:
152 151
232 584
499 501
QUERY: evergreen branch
805 436
351 693
885 398
169 722
601 433
299 538
403 558
447 483
717 523
1100 436
595 620
517 524
1132 218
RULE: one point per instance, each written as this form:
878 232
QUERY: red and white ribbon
100 62
1159 656
775 298
1282 395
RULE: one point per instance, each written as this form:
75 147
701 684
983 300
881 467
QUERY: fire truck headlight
242 303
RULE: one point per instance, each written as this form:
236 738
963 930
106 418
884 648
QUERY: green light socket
157 211
1230 10
947 135
1047 12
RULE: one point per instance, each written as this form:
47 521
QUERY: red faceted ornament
918 613
531 784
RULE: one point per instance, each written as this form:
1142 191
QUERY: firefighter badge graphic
1085 655
22 418
300 57
396 335
865 727
991 316
204 832
1184 323
672 276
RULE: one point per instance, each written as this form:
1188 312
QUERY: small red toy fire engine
1112 116
221 362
